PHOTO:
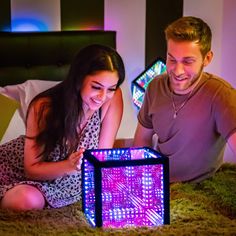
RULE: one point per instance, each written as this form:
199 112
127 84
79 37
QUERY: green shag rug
207 208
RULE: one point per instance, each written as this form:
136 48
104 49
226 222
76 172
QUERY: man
192 112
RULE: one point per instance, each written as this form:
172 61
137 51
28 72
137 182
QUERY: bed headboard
44 55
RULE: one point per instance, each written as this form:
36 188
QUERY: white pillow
26 91
23 93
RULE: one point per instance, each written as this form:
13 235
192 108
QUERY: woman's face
98 89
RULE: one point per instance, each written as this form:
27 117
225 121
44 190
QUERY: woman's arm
111 118
35 168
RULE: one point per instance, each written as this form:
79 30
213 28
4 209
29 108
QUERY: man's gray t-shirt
195 140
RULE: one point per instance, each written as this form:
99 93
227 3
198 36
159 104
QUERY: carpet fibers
207 208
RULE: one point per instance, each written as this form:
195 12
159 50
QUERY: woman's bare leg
22 198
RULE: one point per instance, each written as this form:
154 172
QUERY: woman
84 111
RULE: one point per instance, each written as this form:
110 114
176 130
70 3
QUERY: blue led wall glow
28 15
28 24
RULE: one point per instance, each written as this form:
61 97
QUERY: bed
31 63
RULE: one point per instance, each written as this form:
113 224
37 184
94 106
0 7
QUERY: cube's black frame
119 163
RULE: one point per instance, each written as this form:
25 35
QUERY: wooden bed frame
44 55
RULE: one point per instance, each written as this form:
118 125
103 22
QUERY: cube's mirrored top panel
124 154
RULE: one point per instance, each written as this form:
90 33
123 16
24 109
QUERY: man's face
184 65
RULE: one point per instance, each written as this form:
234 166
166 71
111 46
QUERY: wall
156 24
5 16
200 9
131 46
220 15
228 49
82 15
41 15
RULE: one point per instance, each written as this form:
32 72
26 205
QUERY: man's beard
194 81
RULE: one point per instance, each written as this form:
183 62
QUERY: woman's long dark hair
65 108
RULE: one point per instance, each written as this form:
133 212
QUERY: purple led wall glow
126 193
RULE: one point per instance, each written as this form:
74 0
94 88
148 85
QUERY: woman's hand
41 170
75 159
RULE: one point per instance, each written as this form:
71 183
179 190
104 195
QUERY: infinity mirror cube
141 82
125 187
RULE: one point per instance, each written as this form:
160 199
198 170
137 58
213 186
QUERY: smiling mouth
179 79
98 102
